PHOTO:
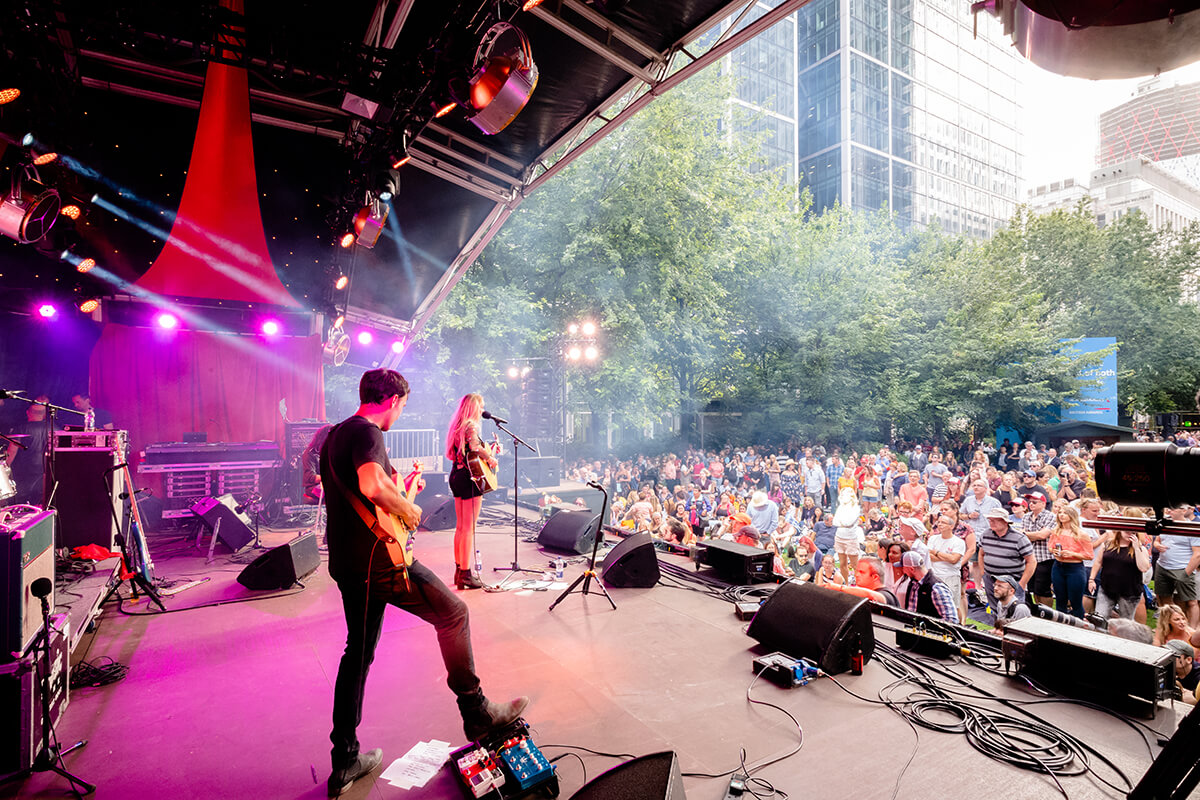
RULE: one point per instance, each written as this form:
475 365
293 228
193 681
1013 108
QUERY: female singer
462 441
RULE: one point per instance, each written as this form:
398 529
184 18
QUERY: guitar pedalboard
506 763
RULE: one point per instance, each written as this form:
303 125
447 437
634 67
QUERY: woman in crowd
1071 546
872 490
1172 624
463 443
1119 565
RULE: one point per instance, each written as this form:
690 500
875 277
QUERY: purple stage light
167 321
270 327
398 346
46 311
365 337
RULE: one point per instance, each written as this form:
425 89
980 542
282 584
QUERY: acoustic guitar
484 476
397 538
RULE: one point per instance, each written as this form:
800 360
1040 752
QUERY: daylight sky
1060 120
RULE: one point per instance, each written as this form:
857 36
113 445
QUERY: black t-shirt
29 463
352 546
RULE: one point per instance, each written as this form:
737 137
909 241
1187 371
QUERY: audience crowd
976 531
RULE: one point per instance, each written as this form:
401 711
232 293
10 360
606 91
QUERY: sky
1061 116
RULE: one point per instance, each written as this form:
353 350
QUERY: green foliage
714 290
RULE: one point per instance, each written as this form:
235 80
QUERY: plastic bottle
89 420
560 564
478 563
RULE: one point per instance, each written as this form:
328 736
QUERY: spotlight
444 110
342 282
347 240
270 327
8 95
73 211
46 311
401 161
368 222
89 305
574 353
398 346
85 266
589 329
340 321
590 353
572 329
44 158
167 321
29 210
337 347
365 337
513 372
529 5
389 184
503 80
28 139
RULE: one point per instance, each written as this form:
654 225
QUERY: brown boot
493 717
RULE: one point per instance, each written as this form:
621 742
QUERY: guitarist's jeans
426 597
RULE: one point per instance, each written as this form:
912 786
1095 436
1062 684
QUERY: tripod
516 567
49 757
590 572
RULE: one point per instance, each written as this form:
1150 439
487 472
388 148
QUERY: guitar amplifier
26 554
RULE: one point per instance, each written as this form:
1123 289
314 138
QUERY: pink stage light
398 346
167 321
46 311
270 327
365 337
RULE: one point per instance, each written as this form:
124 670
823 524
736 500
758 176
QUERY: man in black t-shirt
356 476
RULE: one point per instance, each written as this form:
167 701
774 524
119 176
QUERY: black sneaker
493 716
341 780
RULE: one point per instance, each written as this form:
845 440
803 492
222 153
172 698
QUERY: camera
1153 475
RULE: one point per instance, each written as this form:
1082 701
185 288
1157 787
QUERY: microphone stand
47 456
516 567
590 572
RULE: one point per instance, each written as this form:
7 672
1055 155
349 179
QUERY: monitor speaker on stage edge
283 566
633 563
570 531
656 776
235 532
827 627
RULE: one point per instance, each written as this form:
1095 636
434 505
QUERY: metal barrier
406 446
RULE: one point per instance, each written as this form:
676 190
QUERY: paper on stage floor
418 765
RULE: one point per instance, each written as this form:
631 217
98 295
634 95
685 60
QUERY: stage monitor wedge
633 563
656 776
235 532
283 566
570 532
827 627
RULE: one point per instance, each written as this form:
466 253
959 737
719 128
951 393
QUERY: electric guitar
484 476
397 538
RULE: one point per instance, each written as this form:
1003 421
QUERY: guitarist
462 443
356 473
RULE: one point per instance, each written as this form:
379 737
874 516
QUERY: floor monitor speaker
656 776
437 512
282 566
827 627
633 563
570 531
235 530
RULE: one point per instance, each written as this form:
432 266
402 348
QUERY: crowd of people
981 531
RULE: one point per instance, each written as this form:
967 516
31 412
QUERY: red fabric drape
160 385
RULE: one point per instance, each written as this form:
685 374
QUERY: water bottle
478 563
89 420
560 564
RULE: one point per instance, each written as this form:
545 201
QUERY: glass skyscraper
892 103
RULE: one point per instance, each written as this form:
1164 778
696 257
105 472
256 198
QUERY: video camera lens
1152 475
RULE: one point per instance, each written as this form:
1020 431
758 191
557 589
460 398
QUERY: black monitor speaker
570 532
282 566
633 563
825 626
235 532
656 776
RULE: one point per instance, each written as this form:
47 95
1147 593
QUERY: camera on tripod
1156 476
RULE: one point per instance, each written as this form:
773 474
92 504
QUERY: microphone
42 587
595 485
116 467
126 495
494 418
7 393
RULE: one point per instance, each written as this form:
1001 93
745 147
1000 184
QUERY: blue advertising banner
1098 404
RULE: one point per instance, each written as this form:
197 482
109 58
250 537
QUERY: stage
234 700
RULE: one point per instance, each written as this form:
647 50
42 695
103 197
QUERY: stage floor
234 700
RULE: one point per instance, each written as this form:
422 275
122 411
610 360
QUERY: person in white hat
764 513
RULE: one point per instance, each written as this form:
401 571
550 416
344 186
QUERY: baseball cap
912 559
1181 647
996 513
1018 501
1009 579
1030 473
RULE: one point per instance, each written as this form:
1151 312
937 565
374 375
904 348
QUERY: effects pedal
480 772
525 762
505 764
784 671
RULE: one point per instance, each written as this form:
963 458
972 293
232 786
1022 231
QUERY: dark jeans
1069 581
426 597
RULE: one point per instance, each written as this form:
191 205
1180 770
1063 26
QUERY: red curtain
159 385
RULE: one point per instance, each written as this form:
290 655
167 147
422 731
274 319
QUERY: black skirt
462 485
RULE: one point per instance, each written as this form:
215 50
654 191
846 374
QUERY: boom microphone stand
590 572
518 442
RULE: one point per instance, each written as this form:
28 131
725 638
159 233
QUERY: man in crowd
1174 576
976 505
926 593
1037 526
1004 551
1029 485
915 493
764 513
919 460
834 472
814 480
935 473
1008 608
83 404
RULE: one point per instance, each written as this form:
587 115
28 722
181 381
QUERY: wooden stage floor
233 700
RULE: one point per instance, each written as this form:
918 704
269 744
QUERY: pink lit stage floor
233 701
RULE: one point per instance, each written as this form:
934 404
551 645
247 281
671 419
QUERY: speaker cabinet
738 563
656 776
825 626
21 701
282 566
235 532
570 532
85 504
437 512
633 563
26 555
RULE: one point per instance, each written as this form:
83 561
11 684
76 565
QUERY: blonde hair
468 414
1073 527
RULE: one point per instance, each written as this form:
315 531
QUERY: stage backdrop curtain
160 385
